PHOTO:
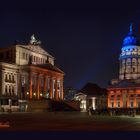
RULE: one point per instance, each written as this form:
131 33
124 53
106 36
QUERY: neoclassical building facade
124 92
27 72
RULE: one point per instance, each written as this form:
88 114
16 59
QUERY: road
68 121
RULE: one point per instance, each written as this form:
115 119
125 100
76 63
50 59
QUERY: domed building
130 57
124 92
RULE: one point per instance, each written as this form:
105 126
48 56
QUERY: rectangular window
131 104
118 104
112 104
26 56
23 55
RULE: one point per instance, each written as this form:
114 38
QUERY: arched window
9 89
6 89
134 61
128 61
13 78
6 78
13 89
9 77
133 70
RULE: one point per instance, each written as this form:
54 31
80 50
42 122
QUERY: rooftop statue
34 41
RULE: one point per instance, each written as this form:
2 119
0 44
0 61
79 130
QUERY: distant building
92 96
27 72
69 93
124 92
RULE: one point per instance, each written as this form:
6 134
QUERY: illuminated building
27 72
92 96
125 91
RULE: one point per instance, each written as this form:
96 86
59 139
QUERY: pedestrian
89 111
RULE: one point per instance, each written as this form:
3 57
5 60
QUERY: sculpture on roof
34 41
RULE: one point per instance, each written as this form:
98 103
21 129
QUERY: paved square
68 121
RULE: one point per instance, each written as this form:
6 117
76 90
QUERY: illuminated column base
93 103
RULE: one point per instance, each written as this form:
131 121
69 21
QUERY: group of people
128 112
112 112
91 111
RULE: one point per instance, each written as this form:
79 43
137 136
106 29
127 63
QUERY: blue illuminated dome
130 39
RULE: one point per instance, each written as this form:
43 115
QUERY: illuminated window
131 104
112 104
83 104
133 70
118 104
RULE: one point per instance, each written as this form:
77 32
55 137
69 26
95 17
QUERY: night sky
85 38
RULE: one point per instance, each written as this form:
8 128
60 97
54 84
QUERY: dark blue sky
85 38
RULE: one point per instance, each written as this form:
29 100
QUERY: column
2 81
137 65
128 101
30 78
20 87
16 86
114 101
51 86
45 85
135 101
121 100
38 86
61 89
108 102
93 103
56 90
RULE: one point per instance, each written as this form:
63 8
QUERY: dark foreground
68 121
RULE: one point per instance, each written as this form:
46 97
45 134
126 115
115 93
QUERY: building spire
131 29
